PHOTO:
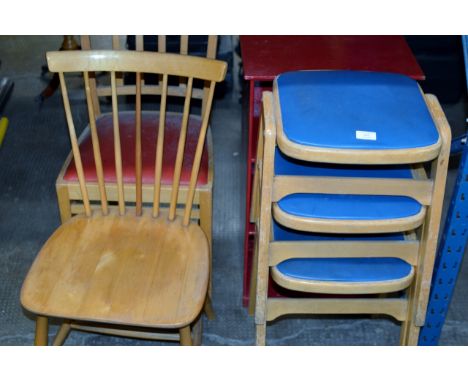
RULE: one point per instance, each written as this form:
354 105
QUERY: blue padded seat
348 270
326 109
349 207
370 269
335 206
285 165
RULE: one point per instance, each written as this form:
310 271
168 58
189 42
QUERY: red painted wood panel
264 57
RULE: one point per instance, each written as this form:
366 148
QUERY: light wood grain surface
124 270
144 62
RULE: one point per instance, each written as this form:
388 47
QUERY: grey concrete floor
34 149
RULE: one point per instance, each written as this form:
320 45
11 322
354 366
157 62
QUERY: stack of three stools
347 197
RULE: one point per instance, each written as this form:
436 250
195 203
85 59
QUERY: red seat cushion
149 128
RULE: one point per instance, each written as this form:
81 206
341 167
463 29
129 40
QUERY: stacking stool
342 200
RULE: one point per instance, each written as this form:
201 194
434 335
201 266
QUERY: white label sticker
367 135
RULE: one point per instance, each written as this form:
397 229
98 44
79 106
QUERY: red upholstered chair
68 190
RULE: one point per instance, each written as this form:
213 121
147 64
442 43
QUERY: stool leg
413 335
261 334
404 333
409 335
185 336
42 331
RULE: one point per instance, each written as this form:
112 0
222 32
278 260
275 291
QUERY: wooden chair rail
341 288
172 90
143 62
420 190
395 307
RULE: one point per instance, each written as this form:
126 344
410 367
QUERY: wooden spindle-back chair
68 190
127 266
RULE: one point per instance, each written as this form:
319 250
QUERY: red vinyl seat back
150 126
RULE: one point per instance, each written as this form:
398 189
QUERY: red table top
264 57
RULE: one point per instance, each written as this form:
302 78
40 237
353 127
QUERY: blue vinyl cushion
334 206
285 165
325 109
373 269
281 233
349 207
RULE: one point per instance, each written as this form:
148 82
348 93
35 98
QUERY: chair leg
206 216
197 332
261 334
64 203
42 331
62 334
208 308
185 336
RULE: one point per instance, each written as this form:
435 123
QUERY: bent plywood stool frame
139 298
417 249
68 191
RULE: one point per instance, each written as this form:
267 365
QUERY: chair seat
121 270
344 275
354 110
341 275
285 165
344 207
150 126
282 233
349 207
356 270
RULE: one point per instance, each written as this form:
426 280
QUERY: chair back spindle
117 147
115 43
138 154
86 45
159 148
162 44
180 151
184 44
210 53
139 43
96 146
74 143
198 154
